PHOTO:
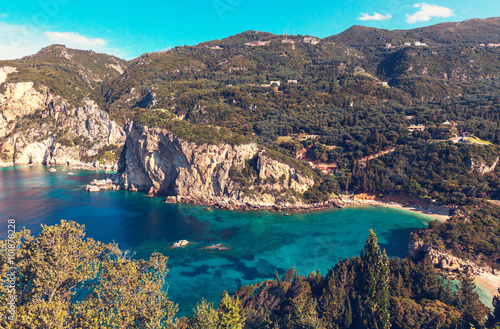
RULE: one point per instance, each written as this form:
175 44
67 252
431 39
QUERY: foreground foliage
66 281
369 291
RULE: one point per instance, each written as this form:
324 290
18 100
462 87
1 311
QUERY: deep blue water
260 243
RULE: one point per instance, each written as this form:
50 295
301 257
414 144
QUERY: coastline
413 205
106 168
440 213
487 284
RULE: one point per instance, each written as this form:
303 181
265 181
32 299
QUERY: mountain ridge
254 34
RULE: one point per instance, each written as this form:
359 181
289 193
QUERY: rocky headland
157 162
486 278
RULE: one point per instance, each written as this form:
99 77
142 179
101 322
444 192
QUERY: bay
259 243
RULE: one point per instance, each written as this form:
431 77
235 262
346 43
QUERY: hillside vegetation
334 102
357 95
69 73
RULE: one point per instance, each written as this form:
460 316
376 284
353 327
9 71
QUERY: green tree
426 279
494 317
128 294
66 281
303 314
205 316
473 310
373 285
332 302
52 268
230 313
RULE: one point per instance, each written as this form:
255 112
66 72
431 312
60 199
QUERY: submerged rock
219 246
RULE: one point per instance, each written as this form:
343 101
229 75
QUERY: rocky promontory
157 162
451 265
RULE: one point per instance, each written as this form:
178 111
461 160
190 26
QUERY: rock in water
104 184
92 188
181 243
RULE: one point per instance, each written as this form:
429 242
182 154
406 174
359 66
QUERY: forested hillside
368 110
356 96
69 73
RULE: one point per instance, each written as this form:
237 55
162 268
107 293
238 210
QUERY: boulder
92 188
180 244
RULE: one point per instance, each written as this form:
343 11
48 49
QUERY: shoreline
437 212
487 284
83 166
440 213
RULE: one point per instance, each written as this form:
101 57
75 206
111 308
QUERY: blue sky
129 28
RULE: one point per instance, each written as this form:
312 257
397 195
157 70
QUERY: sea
258 244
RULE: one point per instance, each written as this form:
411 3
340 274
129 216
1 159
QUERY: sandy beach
438 212
488 284
403 202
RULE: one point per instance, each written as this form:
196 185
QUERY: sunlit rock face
156 161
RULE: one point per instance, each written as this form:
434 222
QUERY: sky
129 28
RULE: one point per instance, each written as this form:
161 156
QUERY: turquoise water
260 243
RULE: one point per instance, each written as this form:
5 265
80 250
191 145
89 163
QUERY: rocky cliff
156 161
39 127
453 266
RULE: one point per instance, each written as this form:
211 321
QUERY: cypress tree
373 285
494 318
473 310
427 281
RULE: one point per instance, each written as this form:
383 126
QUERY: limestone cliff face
156 161
37 127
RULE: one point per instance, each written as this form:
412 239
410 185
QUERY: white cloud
17 41
73 39
427 12
374 17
